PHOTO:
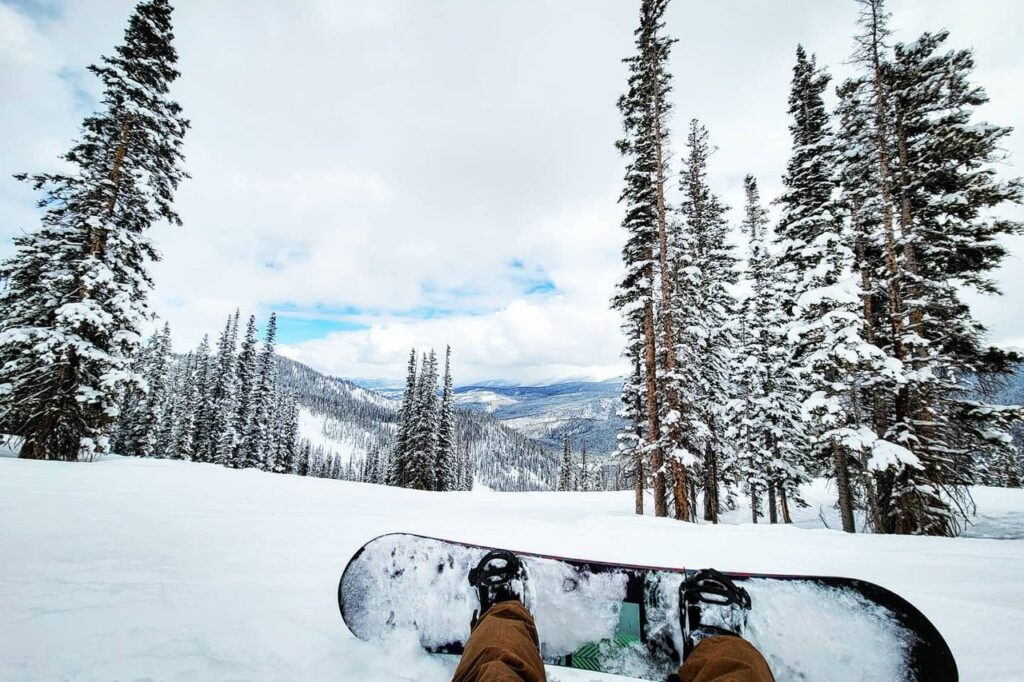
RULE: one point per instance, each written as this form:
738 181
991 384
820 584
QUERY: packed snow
129 569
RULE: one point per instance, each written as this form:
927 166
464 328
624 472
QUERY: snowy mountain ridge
346 420
585 411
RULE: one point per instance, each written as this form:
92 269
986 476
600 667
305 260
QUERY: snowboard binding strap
499 576
712 591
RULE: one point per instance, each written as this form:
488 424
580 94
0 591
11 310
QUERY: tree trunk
710 485
653 420
98 239
638 456
754 502
680 498
773 516
843 486
784 503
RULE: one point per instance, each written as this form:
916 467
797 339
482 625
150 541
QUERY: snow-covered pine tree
747 425
584 475
823 292
935 184
74 292
630 449
248 378
260 452
149 441
127 432
465 468
185 424
644 109
201 419
446 466
422 457
860 203
950 238
286 437
704 266
224 393
398 473
565 477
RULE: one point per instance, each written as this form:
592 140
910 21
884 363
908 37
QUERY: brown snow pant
504 648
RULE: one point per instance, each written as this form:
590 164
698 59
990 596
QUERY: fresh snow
129 569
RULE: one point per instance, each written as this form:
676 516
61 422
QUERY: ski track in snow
130 569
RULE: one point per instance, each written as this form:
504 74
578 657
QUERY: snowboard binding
710 604
500 576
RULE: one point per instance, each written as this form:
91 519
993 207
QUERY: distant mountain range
343 419
585 410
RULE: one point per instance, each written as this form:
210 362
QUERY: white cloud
399 156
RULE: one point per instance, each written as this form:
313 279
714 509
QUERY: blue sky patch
298 329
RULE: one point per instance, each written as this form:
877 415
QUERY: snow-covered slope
130 569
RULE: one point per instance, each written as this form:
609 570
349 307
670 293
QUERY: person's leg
503 647
724 659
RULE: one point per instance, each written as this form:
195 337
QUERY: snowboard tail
624 619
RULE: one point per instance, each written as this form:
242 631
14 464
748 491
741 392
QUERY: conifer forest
831 338
575 340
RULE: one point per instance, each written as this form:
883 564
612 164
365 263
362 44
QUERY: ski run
150 569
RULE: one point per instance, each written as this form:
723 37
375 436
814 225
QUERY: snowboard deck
624 619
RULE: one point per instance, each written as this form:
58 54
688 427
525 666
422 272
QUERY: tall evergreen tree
584 476
150 442
646 284
822 291
398 473
705 268
203 407
221 438
935 190
286 439
259 440
565 474
188 402
74 293
248 377
422 457
446 466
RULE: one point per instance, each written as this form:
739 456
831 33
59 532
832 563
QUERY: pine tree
286 439
630 449
259 440
148 441
584 476
705 268
935 190
446 466
185 421
224 395
398 473
201 419
750 423
75 290
565 476
129 422
646 283
422 454
823 291
242 419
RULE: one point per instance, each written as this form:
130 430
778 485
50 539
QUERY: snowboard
624 619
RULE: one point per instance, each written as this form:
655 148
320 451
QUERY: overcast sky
394 173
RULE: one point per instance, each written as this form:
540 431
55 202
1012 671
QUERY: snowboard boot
500 576
710 605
